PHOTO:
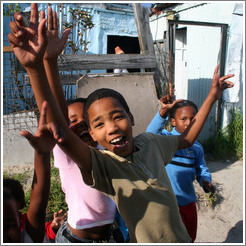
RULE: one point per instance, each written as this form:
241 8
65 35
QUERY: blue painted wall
109 19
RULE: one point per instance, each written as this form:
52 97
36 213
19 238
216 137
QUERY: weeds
56 198
207 199
229 141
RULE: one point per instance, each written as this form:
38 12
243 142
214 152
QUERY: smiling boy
130 170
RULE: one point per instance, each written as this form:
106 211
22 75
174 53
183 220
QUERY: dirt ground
224 223
221 224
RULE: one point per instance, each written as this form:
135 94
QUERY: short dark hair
16 189
182 104
79 99
100 94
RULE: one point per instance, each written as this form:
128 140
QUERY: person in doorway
119 51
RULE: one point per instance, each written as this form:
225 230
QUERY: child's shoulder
148 138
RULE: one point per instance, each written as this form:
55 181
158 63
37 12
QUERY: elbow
185 142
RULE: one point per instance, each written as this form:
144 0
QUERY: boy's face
78 125
183 118
11 222
111 126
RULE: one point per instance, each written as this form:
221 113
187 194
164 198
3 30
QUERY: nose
187 122
111 127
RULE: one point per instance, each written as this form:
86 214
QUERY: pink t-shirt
87 207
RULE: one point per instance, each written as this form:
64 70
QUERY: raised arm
54 48
217 87
31 41
43 143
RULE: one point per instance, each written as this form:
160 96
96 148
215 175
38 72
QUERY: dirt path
225 222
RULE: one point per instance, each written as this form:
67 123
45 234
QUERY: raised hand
58 220
47 134
219 84
55 44
167 103
28 43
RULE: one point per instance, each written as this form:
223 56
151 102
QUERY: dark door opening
129 45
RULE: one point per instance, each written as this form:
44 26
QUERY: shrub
229 141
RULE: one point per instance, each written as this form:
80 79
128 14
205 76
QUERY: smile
119 142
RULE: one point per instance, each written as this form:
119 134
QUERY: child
15 188
130 170
90 213
34 230
187 164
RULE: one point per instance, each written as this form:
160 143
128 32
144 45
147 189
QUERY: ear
173 122
92 135
132 119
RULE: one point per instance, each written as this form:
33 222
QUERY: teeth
116 140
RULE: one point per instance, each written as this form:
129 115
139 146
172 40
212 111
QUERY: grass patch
56 198
206 200
228 143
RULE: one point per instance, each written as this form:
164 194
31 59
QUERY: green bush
229 141
56 198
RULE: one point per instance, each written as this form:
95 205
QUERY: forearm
157 124
52 72
188 137
42 92
39 197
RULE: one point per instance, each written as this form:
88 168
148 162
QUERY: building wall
202 51
16 149
137 89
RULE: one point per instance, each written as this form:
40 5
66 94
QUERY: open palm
30 46
55 44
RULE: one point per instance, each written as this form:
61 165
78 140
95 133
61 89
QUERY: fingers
50 19
65 36
57 132
216 70
42 31
55 21
34 14
166 99
42 15
43 114
15 29
28 136
14 41
19 19
226 84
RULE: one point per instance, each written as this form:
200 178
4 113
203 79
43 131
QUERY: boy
131 170
187 164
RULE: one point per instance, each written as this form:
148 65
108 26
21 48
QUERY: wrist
212 98
50 60
163 113
35 69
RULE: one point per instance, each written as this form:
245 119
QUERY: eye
98 125
119 116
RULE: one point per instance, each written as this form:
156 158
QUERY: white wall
202 50
15 148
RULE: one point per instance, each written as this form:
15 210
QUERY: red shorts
189 216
